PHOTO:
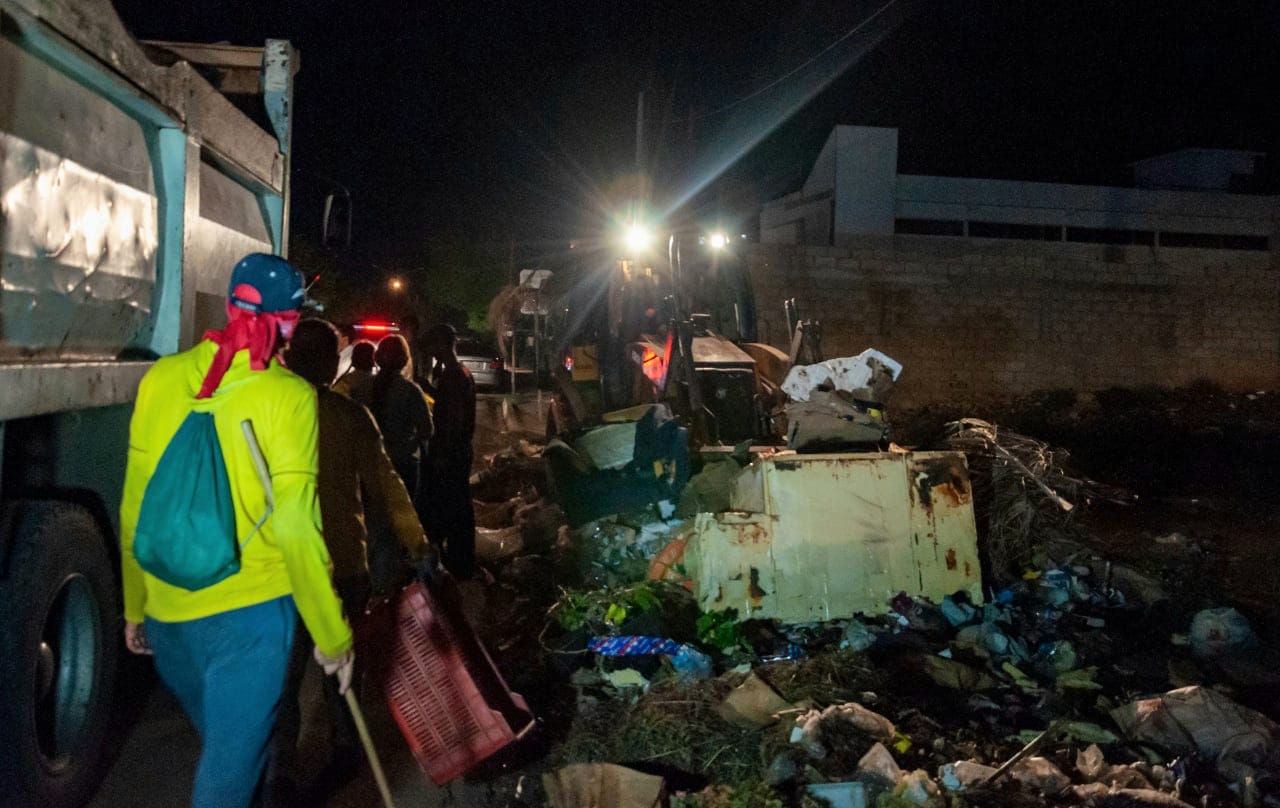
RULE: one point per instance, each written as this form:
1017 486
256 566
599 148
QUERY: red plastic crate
452 705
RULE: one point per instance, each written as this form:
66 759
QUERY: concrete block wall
975 319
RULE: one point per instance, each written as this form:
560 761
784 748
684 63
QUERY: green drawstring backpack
186 534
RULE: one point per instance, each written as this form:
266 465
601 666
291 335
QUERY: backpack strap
264 477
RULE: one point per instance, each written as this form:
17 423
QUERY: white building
1181 199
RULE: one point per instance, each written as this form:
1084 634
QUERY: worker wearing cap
446 506
223 650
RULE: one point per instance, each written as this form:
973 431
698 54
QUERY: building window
1109 235
928 227
1025 232
1213 241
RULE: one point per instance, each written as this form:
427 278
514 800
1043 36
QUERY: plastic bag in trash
915 789
957 613
857 636
964 774
878 763
1198 719
805 731
1221 632
689 662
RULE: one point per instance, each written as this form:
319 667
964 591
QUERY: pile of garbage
1033 697
1067 678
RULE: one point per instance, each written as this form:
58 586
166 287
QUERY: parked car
482 359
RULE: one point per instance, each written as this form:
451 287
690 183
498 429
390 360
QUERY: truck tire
58 649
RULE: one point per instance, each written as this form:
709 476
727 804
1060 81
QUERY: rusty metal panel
941 511
820 537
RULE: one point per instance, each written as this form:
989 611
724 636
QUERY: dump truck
133 175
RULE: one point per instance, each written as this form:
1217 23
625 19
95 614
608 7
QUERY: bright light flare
638 238
718 241
396 285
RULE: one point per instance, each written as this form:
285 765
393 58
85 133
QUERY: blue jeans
228 670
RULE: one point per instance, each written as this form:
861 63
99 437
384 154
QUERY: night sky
496 121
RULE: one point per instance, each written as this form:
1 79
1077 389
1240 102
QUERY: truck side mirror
335 230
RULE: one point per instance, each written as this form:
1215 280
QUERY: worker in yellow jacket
224 649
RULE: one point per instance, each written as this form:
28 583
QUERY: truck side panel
79 224
230 223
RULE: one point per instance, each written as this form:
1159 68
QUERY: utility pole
511 259
639 136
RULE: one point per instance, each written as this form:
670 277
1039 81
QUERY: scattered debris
802 668
956 675
602 785
878 763
813 537
1198 719
833 422
807 731
1040 774
869 376
965 774
840 795
753 704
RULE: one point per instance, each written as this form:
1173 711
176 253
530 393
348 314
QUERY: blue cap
266 283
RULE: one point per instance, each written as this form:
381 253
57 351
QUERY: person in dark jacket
400 408
357 383
359 492
448 512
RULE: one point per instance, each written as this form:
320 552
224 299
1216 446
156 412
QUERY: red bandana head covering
258 333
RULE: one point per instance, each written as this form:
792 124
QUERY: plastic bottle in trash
690 663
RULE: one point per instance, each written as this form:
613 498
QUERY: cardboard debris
956 675
1039 773
1091 763
753 704
602 785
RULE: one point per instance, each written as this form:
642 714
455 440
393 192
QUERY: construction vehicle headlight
638 237
717 241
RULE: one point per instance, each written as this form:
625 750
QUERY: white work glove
341 666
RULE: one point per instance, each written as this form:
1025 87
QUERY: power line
789 73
